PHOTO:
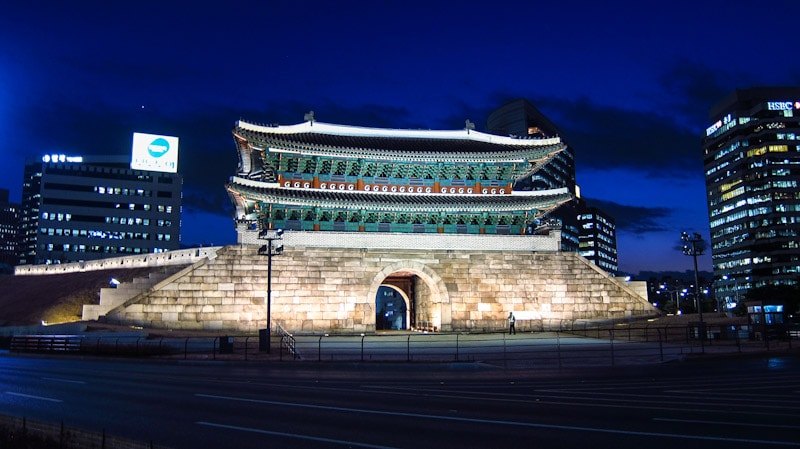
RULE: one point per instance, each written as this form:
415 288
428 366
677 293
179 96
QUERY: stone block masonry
333 290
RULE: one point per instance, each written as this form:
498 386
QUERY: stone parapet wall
332 290
177 257
388 240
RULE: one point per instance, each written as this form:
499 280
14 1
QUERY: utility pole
691 248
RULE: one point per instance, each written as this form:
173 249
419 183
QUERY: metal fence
579 346
25 433
134 346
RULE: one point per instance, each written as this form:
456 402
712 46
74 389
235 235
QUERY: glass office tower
752 168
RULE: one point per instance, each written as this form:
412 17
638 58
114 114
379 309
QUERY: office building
519 118
9 231
751 159
579 231
93 207
598 237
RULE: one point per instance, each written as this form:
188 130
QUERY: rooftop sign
783 105
155 153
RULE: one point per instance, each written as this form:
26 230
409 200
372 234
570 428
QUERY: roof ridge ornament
469 125
309 117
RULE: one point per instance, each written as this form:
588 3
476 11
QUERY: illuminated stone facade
324 289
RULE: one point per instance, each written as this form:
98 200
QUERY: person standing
511 321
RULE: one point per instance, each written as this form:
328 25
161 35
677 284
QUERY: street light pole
268 249
690 248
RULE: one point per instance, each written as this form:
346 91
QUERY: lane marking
568 400
30 396
292 435
501 422
69 381
726 423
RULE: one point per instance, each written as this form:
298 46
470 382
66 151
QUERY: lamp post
269 250
671 291
691 248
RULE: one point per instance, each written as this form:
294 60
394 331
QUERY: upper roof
316 138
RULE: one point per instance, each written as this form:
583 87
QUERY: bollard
558 348
611 339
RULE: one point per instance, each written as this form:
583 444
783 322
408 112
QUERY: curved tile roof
343 199
373 143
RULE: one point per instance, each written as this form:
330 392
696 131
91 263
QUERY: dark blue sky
629 83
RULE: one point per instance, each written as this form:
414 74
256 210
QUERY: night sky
629 84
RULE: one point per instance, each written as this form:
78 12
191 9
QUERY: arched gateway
421 289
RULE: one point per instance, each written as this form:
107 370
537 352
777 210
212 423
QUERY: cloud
605 136
661 133
636 220
207 199
691 89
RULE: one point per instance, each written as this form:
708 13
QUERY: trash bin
225 345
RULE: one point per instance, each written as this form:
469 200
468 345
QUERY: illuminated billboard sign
713 128
783 105
155 153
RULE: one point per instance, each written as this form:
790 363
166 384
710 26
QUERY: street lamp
692 248
269 250
671 291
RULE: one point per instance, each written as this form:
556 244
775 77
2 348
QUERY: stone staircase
113 297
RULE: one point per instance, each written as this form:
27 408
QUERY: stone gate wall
332 290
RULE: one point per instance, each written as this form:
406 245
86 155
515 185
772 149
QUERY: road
744 402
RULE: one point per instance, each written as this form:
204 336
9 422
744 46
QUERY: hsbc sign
783 105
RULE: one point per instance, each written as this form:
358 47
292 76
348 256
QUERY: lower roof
381 201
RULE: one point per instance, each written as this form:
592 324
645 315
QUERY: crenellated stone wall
169 258
333 290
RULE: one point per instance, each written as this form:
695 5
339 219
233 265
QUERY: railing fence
600 345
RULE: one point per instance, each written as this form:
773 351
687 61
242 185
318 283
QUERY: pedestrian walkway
522 350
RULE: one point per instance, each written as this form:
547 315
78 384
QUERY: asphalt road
741 402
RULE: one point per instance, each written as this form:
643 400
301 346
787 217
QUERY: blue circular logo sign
158 147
